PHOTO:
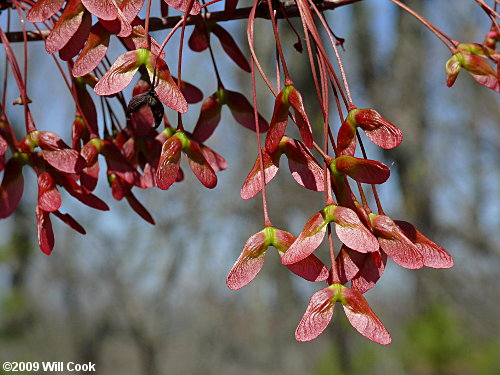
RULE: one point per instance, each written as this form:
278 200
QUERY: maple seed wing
253 183
199 165
42 10
363 170
278 123
45 232
169 163
309 239
310 268
192 93
394 242
11 189
210 115
318 314
93 52
216 161
370 267
103 9
139 208
119 75
304 168
352 232
346 139
249 263
70 221
78 40
231 48
65 160
199 39
295 100
379 130
242 111
183 5
131 8
49 198
166 89
65 27
434 255
362 318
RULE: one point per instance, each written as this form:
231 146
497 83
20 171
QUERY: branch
162 23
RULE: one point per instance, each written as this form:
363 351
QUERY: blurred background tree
137 299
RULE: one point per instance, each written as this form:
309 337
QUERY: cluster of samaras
138 155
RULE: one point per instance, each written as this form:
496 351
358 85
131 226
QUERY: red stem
335 274
450 43
6 68
278 43
267 221
146 26
335 49
180 127
308 23
210 50
251 45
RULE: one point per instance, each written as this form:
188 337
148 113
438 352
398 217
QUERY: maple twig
162 23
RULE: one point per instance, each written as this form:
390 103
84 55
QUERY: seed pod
147 98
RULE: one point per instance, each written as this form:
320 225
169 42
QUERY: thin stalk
324 91
288 81
251 45
180 127
163 23
285 16
209 3
362 194
337 55
146 26
278 71
487 8
6 69
374 189
335 274
377 200
313 69
450 43
24 95
212 56
308 23
267 221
